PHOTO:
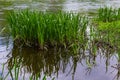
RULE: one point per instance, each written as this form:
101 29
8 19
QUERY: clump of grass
46 29
107 28
108 14
109 33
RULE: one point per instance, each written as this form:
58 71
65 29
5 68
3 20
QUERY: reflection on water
97 62
63 65
50 63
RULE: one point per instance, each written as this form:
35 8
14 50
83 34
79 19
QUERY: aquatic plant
110 31
107 26
47 29
107 14
107 30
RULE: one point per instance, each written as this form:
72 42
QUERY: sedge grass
45 29
107 14
107 30
108 22
109 34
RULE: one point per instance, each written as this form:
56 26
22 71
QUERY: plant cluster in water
108 27
46 29
108 14
65 30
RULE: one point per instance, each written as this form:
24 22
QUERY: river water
58 65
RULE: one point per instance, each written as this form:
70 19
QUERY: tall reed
47 29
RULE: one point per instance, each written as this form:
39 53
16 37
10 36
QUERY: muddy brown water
59 65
